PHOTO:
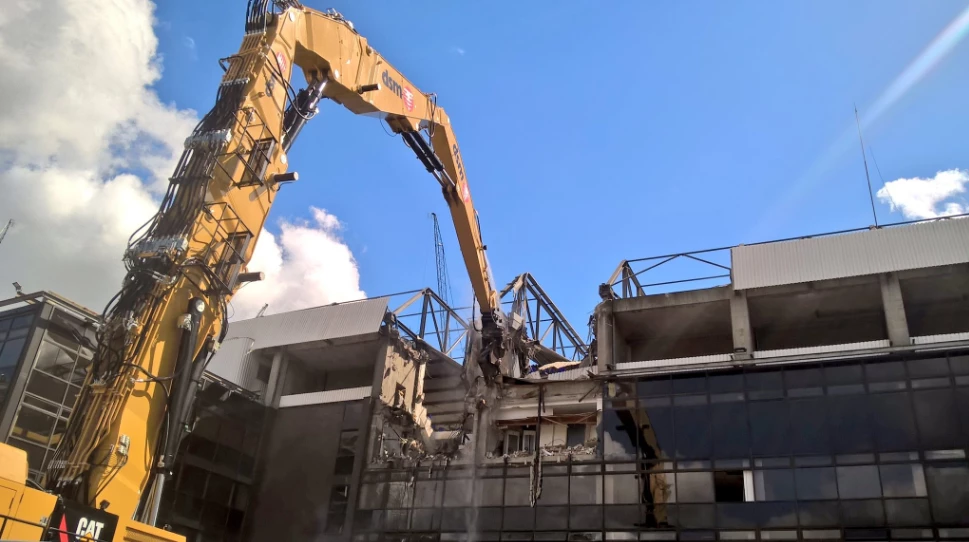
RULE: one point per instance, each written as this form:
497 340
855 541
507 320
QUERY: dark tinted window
803 382
938 421
729 430
907 512
656 438
816 484
774 485
869 513
692 425
849 423
725 383
619 433
769 428
859 482
689 384
765 385
811 430
949 491
893 422
927 368
654 386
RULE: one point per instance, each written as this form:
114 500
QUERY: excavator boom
186 263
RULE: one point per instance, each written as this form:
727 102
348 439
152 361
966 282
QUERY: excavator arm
186 263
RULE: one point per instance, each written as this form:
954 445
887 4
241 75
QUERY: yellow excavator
107 478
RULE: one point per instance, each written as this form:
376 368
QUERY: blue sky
597 132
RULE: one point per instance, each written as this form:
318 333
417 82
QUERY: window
903 480
346 453
948 485
528 441
575 434
619 433
731 486
850 423
859 482
512 442
811 430
729 430
892 422
937 419
693 437
816 484
774 485
694 487
769 428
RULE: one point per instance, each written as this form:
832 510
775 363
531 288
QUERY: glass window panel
694 487
765 385
948 485
620 489
937 419
555 490
10 352
47 386
689 384
692 425
890 371
856 459
517 491
813 461
5 323
552 517
903 480
926 383
962 403
843 374
908 512
34 425
22 321
769 428
696 516
400 495
811 433
584 489
724 383
893 422
585 517
654 386
818 514
927 368
458 492
519 518
424 520
816 484
656 438
658 491
621 517
850 424
803 381
774 485
760 514
959 365
859 482
619 431
455 519
428 493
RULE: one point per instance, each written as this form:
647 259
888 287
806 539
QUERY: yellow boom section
185 264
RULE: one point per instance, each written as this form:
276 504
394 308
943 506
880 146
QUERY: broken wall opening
817 314
677 331
936 300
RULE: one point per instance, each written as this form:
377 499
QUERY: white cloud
86 145
460 51
309 265
918 198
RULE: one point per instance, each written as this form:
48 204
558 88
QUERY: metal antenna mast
3 232
443 284
864 158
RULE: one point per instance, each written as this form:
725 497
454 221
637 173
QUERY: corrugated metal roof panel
320 397
672 362
828 348
915 246
234 362
944 338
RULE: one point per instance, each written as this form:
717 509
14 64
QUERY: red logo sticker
281 61
465 193
408 97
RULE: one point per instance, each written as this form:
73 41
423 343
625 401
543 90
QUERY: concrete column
894 308
277 371
743 335
605 335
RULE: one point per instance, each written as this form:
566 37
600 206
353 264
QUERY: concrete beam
605 334
275 385
895 320
657 301
743 335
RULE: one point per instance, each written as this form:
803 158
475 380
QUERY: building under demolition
806 389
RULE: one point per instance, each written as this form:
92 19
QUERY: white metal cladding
310 325
915 246
235 361
320 397
672 362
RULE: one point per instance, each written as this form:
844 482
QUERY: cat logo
89 528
